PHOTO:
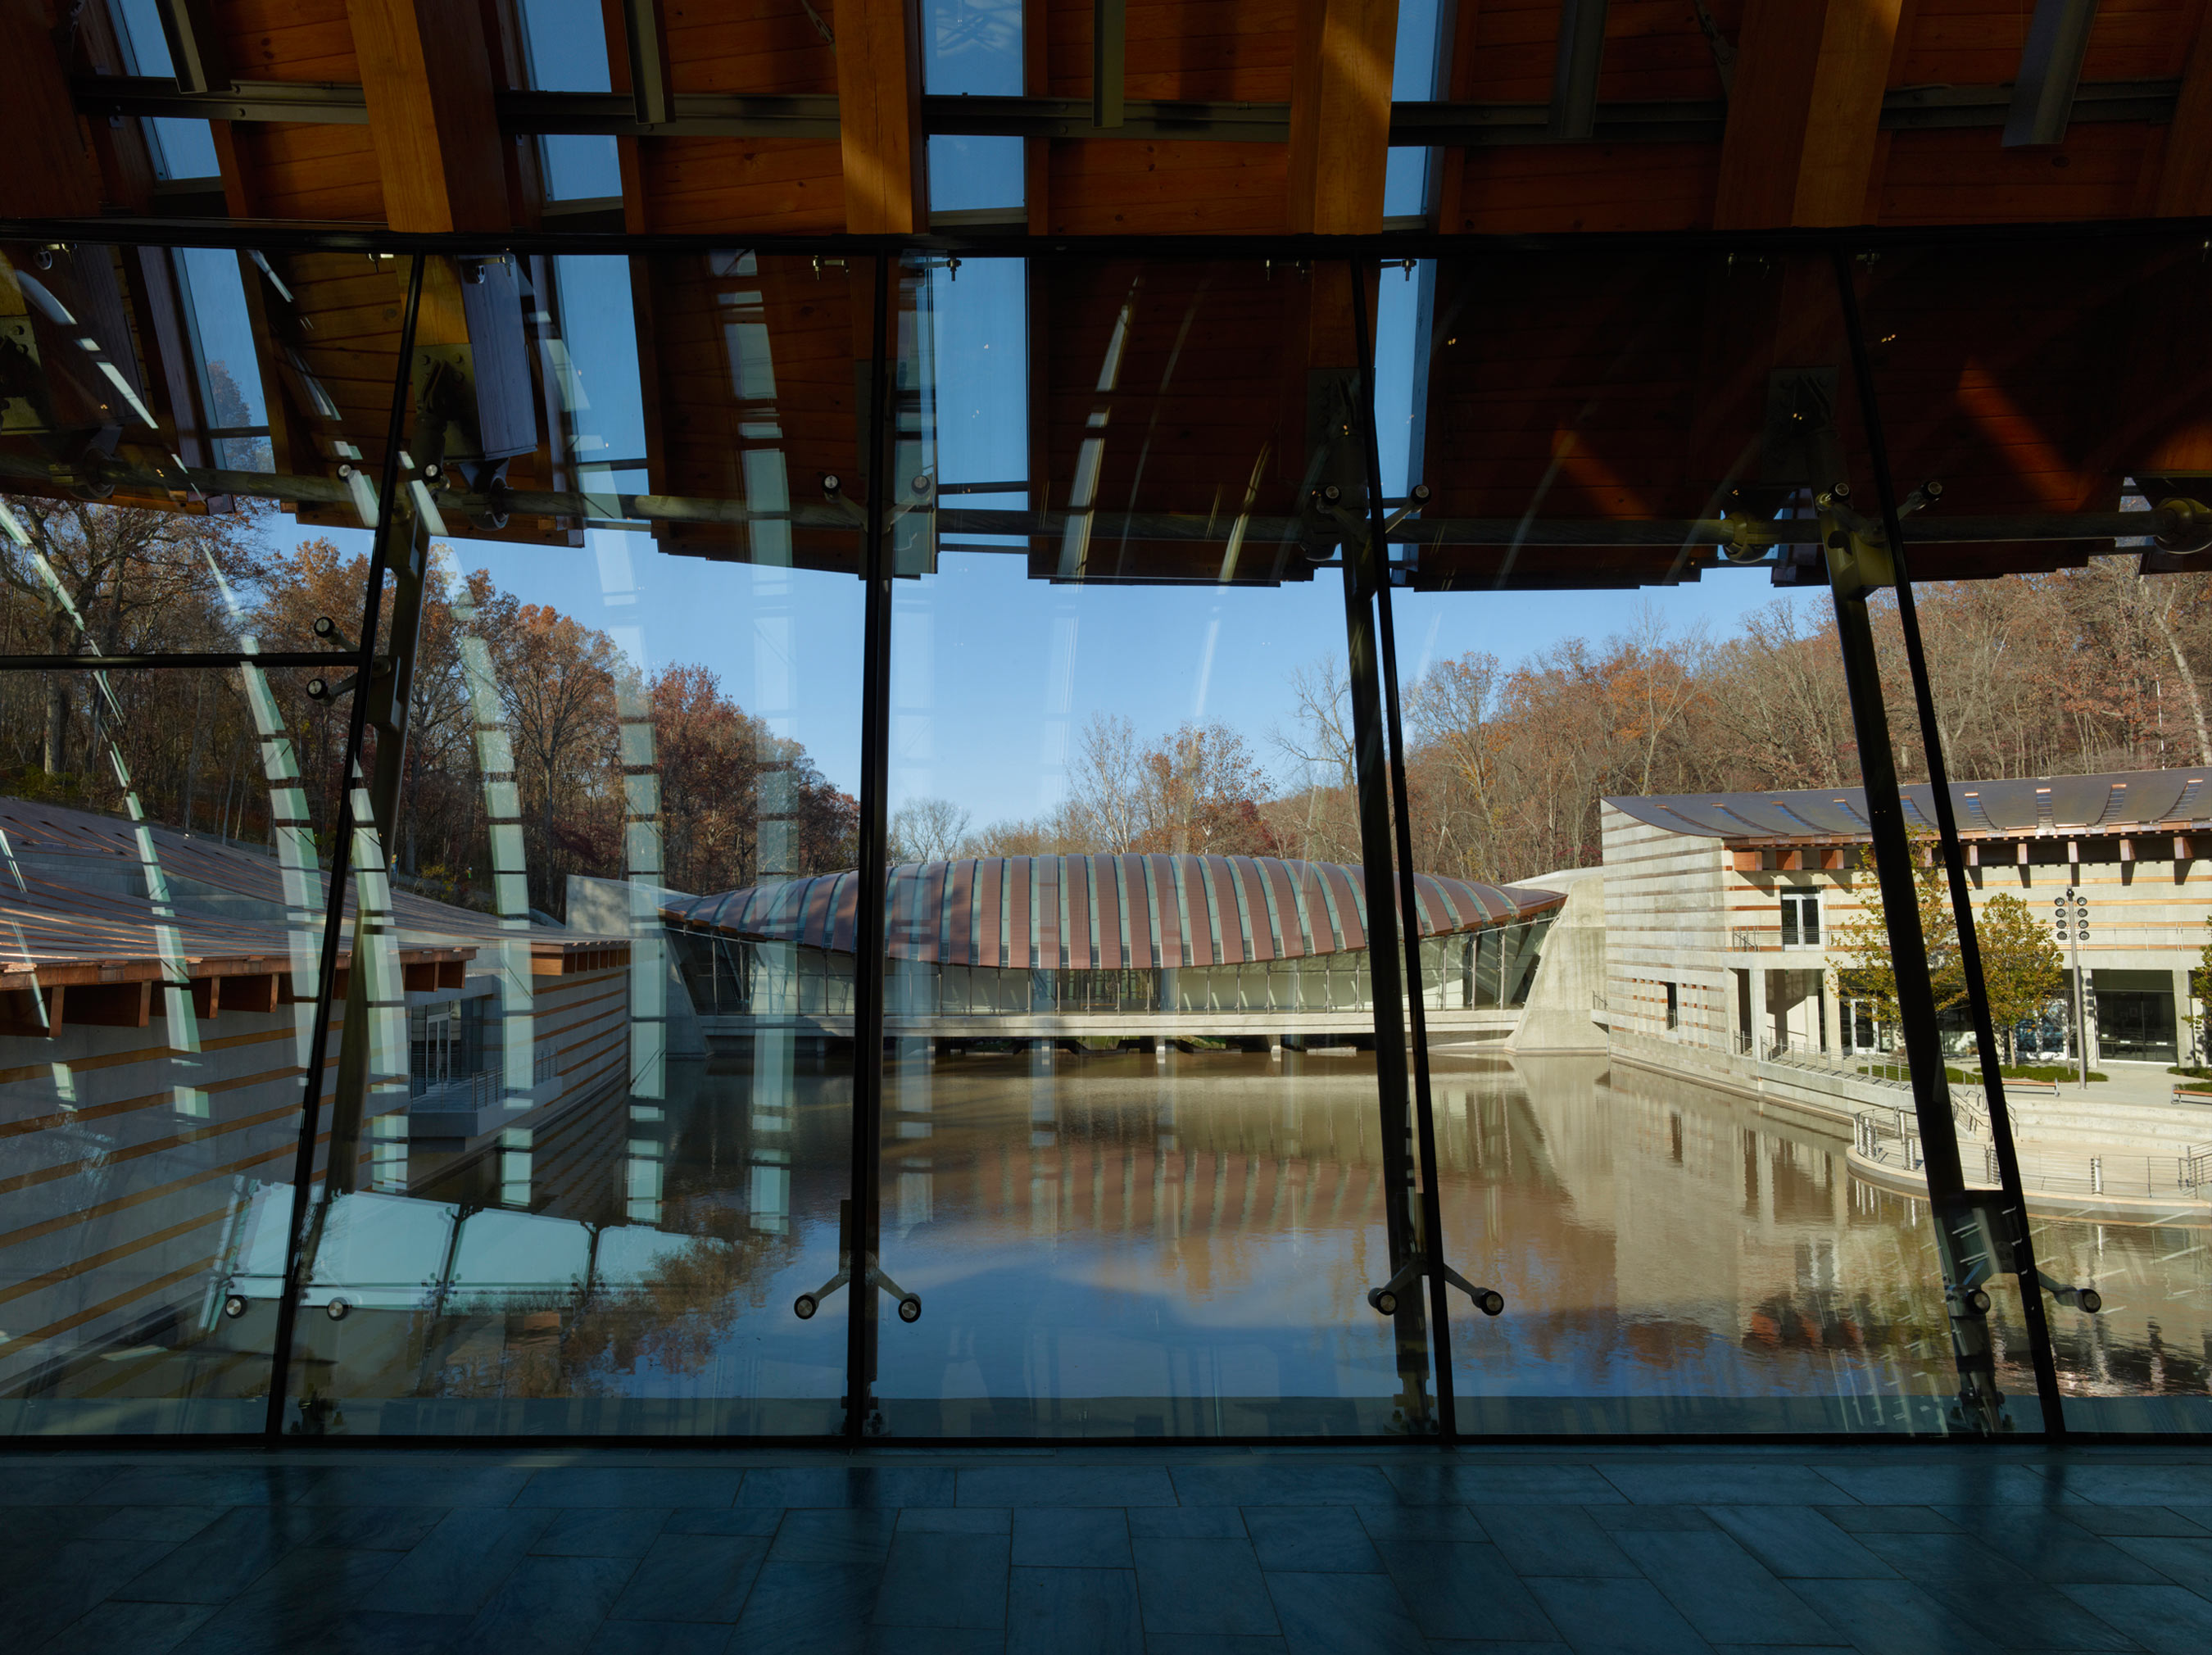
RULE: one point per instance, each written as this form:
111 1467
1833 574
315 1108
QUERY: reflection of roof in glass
1103 912
2130 801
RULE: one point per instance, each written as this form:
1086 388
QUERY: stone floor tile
139 1629
659 1638
1892 1617
1954 1555
600 1531
45 1587
1293 1484
294 1603
2030 1616
848 1485
1802 1544
1660 1519
1068 1484
1427 1483
1721 1591
1063 1612
550 1606
631 1485
1081 1538
462 1561
358 1528
2184 1561
957 1519
839 1535
1467 1647
1310 1539
44 1525
44 1483
204 1485
1187 1521
1619 1617
1454 1590
1963 1480
2138 1482
1746 1482
1884 1519
1342 1615
1202 1585
1554 1540
2053 1548
2165 1620
943 1580
808 1608
2112 1521
693 1577
1210 1643
738 1520
219 1562
1387 1523
175 1523
411 1482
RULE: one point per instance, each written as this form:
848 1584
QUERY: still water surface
1107 1245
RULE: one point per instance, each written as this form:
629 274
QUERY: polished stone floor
1890 1550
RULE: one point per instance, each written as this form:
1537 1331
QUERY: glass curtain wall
168 835
1143 1151
634 736
2066 375
1137 1184
1622 682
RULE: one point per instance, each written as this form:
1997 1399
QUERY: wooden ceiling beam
1341 115
50 172
879 115
426 75
2184 184
1804 113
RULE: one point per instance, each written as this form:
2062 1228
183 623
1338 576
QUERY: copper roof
1103 912
74 907
2127 801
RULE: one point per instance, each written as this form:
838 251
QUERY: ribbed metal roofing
2130 801
1102 913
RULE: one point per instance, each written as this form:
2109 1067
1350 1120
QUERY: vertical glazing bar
869 928
303 1163
1954 864
1362 564
1409 914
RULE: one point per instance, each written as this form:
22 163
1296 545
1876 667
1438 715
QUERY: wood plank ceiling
1564 387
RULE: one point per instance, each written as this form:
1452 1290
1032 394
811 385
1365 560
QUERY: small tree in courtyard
2021 970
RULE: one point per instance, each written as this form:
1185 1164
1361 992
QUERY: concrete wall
1666 922
1571 976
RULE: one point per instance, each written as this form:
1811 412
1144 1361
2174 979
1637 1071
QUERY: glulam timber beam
2185 183
50 172
426 83
1805 112
1341 115
1581 53
2050 70
879 115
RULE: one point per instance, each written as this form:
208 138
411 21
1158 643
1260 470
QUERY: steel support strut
1855 567
2011 1231
303 1163
862 1234
1339 472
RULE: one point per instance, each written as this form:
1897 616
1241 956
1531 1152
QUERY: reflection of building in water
1168 945
1722 910
132 1141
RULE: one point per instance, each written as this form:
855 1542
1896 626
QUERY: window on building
180 149
565 49
1673 1006
1801 920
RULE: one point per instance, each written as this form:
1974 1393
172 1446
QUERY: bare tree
928 830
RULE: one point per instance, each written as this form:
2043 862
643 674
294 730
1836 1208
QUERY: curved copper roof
2122 802
1103 912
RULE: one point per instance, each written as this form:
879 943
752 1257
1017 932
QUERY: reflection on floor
1892 1550
1111 1247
